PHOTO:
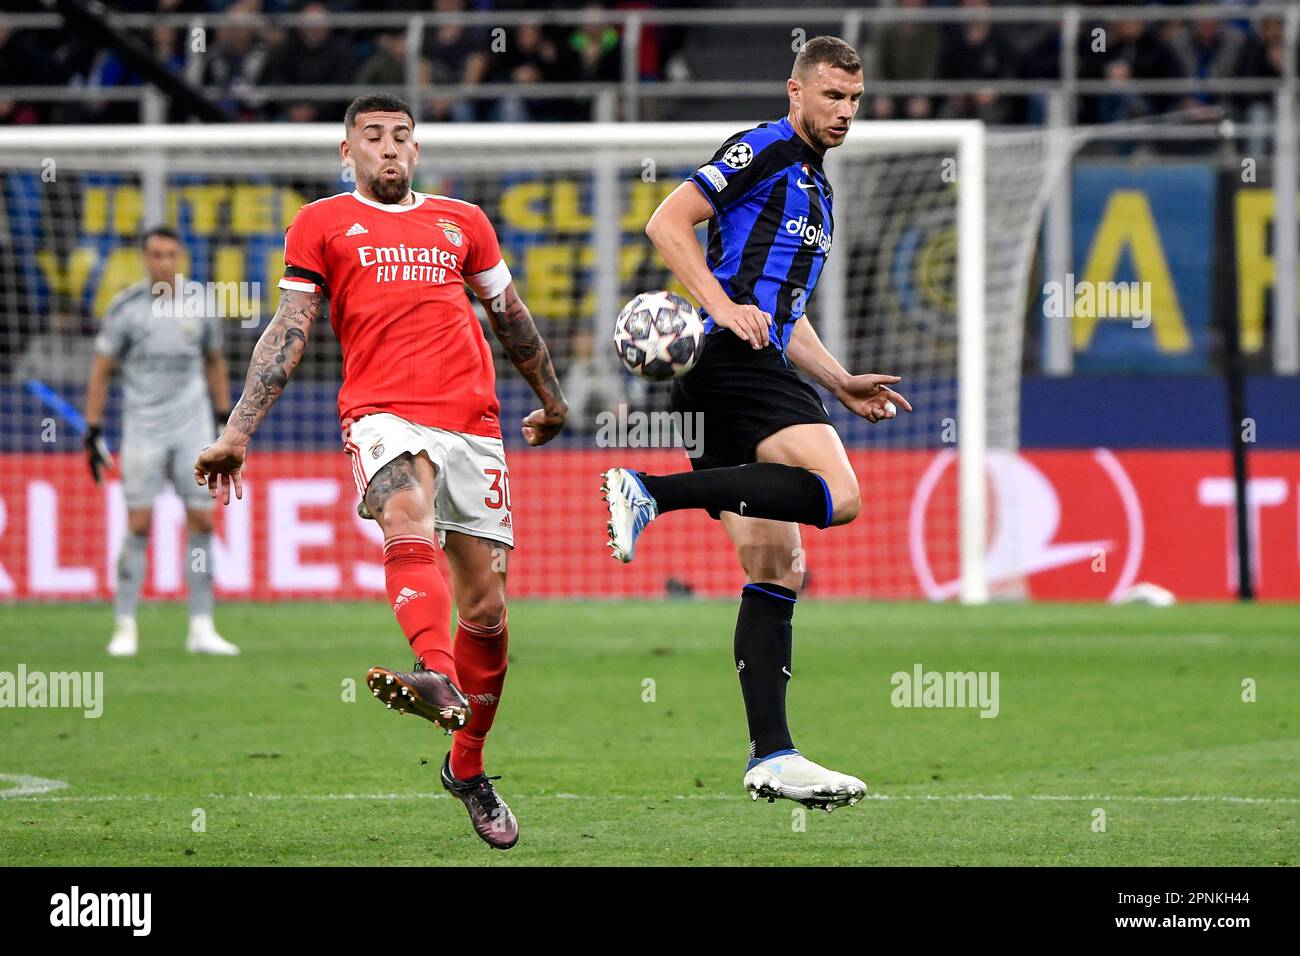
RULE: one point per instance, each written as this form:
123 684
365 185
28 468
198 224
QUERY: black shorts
744 395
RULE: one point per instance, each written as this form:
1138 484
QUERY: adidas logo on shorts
505 522
357 230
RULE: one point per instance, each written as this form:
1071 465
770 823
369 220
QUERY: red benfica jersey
395 276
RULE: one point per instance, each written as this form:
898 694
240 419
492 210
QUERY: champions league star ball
659 336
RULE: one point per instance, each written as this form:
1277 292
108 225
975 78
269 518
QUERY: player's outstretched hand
747 321
541 426
869 396
220 466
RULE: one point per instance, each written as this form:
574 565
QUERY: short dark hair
829 50
166 232
376 103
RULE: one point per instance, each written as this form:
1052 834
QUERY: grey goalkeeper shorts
149 465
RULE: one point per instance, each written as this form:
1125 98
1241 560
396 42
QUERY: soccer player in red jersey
419 412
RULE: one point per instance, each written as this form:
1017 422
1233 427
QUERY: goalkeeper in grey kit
175 392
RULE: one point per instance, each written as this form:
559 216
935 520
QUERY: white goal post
935 230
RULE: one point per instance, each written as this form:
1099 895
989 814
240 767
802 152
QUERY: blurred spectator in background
1162 61
1176 52
455 55
906 51
591 53
1119 55
530 56
110 72
169 48
311 55
166 43
659 46
660 54
596 53
22 63
236 63
1211 49
974 51
387 65
164 6
1263 55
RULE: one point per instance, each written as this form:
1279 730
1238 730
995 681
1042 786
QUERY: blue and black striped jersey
772 231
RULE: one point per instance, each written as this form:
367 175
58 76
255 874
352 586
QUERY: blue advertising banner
1140 294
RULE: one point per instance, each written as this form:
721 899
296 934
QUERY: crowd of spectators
239 63
1117 51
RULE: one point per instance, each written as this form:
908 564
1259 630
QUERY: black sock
763 646
760 490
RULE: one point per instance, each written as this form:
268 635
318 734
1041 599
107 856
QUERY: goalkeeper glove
97 451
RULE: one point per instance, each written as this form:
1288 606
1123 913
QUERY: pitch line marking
33 789
25 786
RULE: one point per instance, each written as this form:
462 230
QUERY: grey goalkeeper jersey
160 360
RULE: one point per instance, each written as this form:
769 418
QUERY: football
659 336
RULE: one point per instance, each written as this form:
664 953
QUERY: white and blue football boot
630 509
792 776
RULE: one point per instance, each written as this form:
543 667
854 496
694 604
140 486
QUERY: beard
389 191
822 139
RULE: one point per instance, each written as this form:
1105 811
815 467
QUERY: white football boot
126 640
631 509
791 775
204 639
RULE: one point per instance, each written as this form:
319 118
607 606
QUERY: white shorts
472 488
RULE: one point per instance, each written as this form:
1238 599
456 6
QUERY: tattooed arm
513 325
275 357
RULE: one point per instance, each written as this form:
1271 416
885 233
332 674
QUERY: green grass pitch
1136 712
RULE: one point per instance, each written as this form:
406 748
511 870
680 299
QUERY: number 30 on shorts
498 495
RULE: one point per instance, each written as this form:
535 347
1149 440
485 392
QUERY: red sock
420 600
481 663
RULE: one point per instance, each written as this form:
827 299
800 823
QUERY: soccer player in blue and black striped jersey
771 459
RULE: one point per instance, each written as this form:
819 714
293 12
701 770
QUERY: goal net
935 232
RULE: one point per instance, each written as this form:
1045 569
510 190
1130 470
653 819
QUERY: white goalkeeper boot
204 639
126 640
792 776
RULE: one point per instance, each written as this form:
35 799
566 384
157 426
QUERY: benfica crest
451 231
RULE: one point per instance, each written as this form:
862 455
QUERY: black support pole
1234 377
